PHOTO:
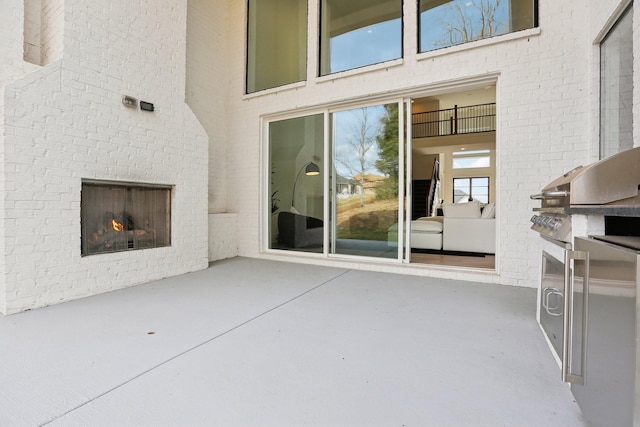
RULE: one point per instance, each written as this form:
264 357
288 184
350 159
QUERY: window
471 159
358 33
616 88
466 189
444 23
276 43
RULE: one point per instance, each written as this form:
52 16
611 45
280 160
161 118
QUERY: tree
360 138
387 162
471 20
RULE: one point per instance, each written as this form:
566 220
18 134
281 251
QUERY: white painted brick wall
32 25
207 95
546 113
51 30
13 66
636 76
65 122
223 239
207 83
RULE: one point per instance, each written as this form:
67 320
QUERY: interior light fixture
310 169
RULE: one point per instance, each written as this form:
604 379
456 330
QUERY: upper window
471 159
445 23
356 33
276 43
616 88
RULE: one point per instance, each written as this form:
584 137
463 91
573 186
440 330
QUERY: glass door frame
405 184
331 182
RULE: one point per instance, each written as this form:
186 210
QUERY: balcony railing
455 121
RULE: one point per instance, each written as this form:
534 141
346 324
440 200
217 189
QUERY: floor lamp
310 169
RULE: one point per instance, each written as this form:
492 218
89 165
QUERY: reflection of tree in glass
360 138
387 162
471 20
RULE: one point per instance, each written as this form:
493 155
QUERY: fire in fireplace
118 216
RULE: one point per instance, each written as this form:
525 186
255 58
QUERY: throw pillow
489 211
462 210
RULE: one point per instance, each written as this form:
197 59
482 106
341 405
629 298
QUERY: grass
368 222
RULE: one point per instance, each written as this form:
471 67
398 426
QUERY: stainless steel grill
587 305
611 182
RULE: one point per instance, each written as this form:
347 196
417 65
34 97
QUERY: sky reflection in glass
368 45
460 21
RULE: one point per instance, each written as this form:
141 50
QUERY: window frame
470 180
605 148
536 11
248 63
319 72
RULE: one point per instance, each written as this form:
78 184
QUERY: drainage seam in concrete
194 348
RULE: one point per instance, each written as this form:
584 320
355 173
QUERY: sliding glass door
350 205
295 186
365 186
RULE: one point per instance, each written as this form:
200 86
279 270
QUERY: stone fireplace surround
65 122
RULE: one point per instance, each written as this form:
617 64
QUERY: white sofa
469 227
469 235
426 233
465 227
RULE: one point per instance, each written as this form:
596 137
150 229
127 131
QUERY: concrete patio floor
263 343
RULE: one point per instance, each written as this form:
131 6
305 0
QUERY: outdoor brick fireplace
121 216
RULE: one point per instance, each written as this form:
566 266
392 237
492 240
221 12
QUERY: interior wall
447 174
422 165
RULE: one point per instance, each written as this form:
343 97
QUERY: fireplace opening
124 216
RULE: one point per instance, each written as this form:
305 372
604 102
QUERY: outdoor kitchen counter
606 210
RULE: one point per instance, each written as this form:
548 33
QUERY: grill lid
613 180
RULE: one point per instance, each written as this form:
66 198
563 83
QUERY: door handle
567 346
555 309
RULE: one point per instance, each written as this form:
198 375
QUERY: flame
116 225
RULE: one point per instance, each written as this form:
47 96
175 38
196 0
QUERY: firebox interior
118 216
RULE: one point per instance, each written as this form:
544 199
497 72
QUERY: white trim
402 173
362 258
418 91
364 69
277 89
497 181
387 265
612 21
523 34
264 188
328 173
